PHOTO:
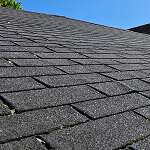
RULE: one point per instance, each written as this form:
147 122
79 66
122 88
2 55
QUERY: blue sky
115 13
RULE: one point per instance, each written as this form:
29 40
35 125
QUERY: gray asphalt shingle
95 61
24 49
126 75
28 71
146 93
146 80
133 61
102 56
25 144
111 132
50 97
5 63
119 75
68 80
71 84
41 62
145 111
141 145
38 121
17 84
60 55
16 55
108 106
6 43
136 84
123 67
111 88
86 69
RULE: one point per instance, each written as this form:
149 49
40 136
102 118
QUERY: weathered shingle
111 132
38 121
28 71
17 84
111 88
25 144
113 105
70 84
27 100
68 80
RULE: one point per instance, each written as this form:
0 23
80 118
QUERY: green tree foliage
10 4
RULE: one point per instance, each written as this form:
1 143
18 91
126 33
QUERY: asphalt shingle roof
67 84
142 29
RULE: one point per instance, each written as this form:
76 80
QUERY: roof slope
142 29
69 84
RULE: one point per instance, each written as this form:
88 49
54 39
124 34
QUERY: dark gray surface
14 39
16 55
147 72
6 43
38 121
136 84
146 80
24 49
61 50
50 97
58 55
139 74
141 145
107 133
108 106
146 93
66 57
67 80
125 75
123 67
41 62
144 111
5 63
28 71
86 69
17 84
102 56
133 61
29 44
111 88
95 61
24 144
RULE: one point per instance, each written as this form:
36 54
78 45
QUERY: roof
142 29
69 84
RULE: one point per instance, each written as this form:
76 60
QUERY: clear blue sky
115 13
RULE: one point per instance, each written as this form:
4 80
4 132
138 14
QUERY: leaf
5 2
11 4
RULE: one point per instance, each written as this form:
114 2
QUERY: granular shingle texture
72 85
25 144
112 132
142 145
38 121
